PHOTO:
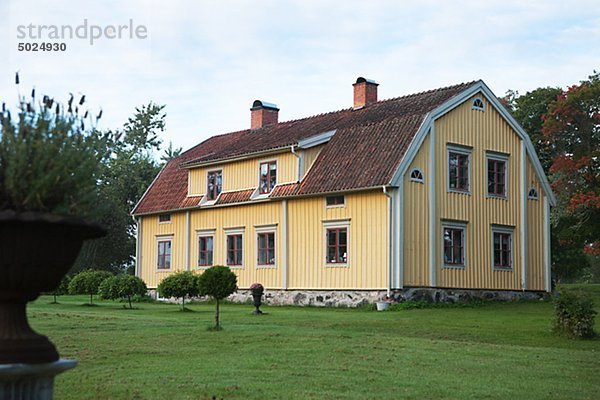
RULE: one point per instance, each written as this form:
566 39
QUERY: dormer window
268 177
215 183
478 105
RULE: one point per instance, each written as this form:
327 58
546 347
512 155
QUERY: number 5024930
44 46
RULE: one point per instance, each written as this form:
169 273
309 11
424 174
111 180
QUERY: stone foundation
357 298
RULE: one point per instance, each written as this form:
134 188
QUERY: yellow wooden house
440 189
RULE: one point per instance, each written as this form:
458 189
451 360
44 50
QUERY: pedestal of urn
36 251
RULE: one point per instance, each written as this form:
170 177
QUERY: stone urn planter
36 251
257 291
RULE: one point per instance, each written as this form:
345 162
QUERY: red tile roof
235 197
368 145
285 190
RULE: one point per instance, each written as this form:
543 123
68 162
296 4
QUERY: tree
122 286
62 288
179 284
217 282
125 176
528 110
572 125
170 153
88 282
564 127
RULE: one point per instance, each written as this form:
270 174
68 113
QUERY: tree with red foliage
572 129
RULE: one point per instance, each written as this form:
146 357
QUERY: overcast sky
207 61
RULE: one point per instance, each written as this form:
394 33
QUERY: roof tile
368 146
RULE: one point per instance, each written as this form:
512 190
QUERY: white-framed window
164 218
206 246
335 201
497 174
459 169
234 251
454 235
164 245
416 175
532 194
267 176
337 238
265 246
502 248
478 104
214 184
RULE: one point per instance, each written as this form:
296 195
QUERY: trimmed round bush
179 285
122 286
217 282
88 282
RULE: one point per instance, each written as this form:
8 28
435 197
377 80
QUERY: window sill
269 266
163 270
337 265
458 191
502 269
235 266
204 266
446 266
497 196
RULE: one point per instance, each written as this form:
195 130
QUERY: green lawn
497 351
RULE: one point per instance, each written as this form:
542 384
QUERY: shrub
179 284
61 289
88 282
217 282
49 158
122 286
574 314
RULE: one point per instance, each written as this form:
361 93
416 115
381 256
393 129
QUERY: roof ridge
424 92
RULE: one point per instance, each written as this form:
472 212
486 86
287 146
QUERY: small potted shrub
257 291
48 179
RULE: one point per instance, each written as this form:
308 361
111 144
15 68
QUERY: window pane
342 237
331 254
271 256
332 237
271 238
262 243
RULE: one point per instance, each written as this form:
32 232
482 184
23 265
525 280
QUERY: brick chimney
263 114
365 92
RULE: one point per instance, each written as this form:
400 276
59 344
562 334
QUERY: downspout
187 241
300 162
138 244
390 255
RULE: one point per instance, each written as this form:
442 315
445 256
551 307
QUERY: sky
207 61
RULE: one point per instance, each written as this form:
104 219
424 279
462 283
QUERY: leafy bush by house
122 286
179 285
88 282
574 314
217 282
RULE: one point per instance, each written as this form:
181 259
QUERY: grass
496 351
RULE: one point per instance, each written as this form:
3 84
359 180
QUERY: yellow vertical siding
482 131
416 222
310 155
368 243
220 219
535 233
152 229
244 174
